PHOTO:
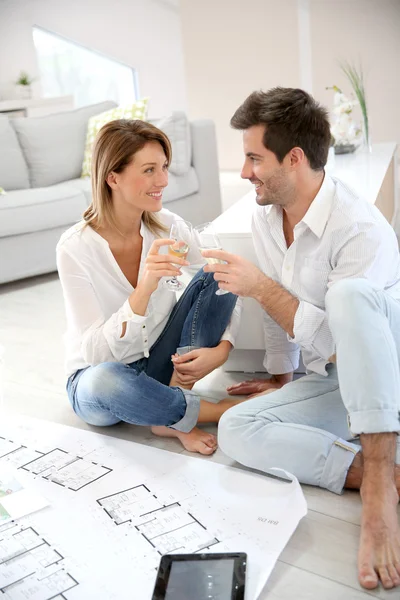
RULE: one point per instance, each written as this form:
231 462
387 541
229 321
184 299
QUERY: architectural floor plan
115 507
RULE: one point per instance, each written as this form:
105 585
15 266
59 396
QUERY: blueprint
114 507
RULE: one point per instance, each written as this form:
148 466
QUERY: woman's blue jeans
139 392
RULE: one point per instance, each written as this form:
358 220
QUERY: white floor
319 561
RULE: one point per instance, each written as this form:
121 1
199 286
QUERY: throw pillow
2 192
177 127
138 110
52 145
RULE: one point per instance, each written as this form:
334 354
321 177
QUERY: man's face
270 178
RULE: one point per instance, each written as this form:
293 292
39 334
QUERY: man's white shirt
341 236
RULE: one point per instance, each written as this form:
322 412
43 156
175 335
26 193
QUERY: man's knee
236 427
346 297
228 427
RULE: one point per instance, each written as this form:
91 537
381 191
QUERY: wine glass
181 232
207 239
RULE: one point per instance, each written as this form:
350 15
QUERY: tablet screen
200 580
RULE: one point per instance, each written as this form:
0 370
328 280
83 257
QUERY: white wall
145 34
233 47
366 30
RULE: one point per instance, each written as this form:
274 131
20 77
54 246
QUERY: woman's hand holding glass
181 233
158 265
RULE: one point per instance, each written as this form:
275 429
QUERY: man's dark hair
292 118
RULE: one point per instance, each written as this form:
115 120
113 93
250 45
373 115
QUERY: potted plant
345 132
356 78
23 84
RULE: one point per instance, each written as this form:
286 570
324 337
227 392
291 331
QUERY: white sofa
40 166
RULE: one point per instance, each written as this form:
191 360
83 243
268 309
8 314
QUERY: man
329 284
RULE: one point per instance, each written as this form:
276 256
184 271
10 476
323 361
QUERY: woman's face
142 182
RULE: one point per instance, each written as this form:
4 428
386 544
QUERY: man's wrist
261 289
283 378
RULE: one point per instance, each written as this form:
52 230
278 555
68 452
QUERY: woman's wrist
224 347
139 300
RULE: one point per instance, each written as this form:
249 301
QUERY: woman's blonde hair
114 147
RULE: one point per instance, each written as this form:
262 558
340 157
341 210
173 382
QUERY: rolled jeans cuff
191 415
337 465
185 349
374 421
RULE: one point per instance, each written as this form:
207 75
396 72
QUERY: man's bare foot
194 441
379 552
355 474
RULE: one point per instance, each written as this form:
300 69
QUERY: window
67 68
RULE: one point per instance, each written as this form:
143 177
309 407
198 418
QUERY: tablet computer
201 577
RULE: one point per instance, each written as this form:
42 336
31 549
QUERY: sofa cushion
53 145
84 185
37 209
138 110
13 170
176 126
180 186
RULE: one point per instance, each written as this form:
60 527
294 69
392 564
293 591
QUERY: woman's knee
101 381
93 390
95 416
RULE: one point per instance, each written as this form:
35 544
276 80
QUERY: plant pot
345 148
24 92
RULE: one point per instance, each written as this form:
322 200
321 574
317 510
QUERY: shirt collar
318 212
274 215
320 208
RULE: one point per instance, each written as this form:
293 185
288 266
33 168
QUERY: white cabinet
38 107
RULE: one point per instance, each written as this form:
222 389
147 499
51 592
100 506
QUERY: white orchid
344 128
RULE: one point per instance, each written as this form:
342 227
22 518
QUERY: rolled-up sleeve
311 330
232 330
282 355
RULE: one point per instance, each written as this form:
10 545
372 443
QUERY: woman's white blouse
96 296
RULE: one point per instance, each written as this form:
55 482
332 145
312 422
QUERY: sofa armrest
205 162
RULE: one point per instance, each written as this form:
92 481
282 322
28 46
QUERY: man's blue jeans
139 392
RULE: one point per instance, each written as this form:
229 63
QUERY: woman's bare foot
379 552
194 441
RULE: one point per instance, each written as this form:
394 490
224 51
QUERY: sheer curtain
67 68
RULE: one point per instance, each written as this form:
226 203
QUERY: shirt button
143 326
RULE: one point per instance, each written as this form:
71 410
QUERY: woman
125 330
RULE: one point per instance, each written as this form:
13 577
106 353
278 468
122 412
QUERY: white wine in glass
207 239
181 232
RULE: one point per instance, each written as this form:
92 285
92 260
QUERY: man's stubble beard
282 194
